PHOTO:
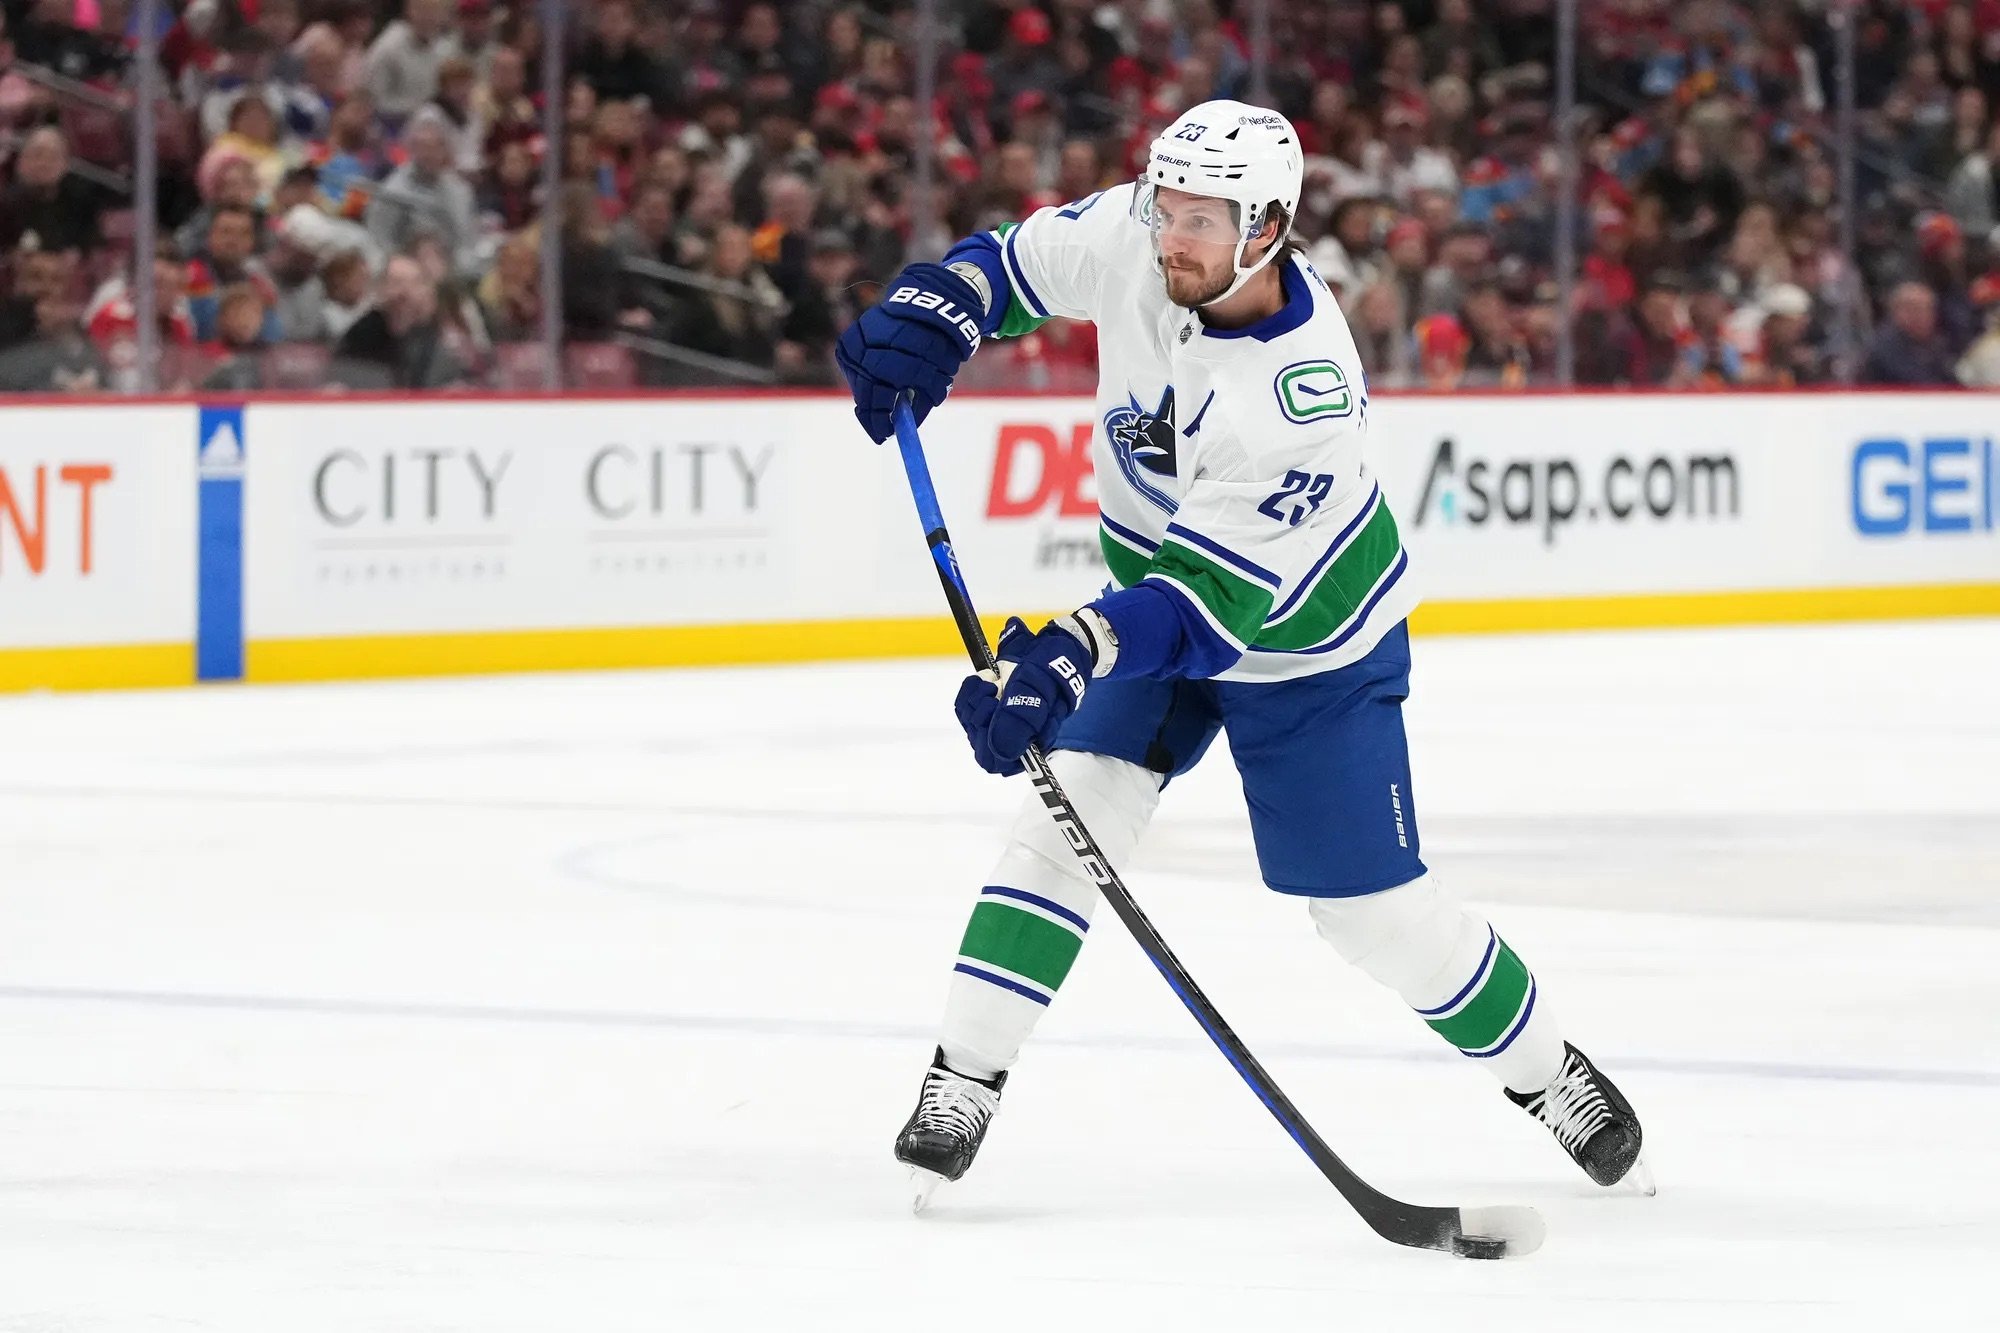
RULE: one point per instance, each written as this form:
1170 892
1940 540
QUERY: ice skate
1591 1120
943 1134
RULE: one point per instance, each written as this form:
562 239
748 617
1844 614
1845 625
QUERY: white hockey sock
1449 965
1034 910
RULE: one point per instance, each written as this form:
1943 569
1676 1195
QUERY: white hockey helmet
1246 154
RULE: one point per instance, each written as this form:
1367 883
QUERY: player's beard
1190 287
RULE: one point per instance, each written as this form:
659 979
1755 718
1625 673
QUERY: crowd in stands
352 191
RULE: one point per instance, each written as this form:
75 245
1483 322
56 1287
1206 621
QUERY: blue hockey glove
1044 677
915 338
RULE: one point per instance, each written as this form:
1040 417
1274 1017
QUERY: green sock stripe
1484 1019
1029 945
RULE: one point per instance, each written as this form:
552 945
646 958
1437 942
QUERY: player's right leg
1030 918
1026 929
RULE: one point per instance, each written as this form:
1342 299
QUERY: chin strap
1243 274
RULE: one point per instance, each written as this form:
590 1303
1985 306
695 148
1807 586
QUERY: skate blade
1640 1179
923 1184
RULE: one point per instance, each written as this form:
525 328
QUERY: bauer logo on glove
923 300
1047 674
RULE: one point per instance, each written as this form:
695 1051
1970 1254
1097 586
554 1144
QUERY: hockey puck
1478 1247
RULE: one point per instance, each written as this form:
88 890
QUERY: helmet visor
1179 221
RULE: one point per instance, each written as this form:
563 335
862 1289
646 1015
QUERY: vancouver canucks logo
1143 443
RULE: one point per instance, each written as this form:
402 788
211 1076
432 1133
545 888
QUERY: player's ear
1274 224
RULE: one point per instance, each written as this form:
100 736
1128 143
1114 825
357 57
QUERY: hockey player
1258 587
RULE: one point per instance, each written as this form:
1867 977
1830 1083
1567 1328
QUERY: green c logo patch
1311 390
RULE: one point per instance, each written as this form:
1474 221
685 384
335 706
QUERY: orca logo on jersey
1144 441
944 306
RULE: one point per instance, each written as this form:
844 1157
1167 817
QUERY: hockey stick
1497 1232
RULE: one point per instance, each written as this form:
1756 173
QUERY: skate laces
957 1104
1572 1107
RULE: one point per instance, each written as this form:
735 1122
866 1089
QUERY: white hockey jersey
1229 461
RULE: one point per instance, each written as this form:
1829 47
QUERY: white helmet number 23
1246 157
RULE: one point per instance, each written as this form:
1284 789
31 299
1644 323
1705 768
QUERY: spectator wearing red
1441 348
1034 123
1325 121
619 134
1605 268
708 65
1942 266
112 319
1650 347
190 46
1504 186
502 104
1025 60
1016 188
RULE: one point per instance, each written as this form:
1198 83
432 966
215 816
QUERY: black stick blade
1506 1231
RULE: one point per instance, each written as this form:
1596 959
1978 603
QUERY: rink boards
164 543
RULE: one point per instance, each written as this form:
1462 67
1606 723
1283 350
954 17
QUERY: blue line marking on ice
778 1026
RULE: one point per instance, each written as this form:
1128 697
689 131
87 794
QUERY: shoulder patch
1313 390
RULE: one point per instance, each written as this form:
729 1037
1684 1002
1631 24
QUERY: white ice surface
592 1003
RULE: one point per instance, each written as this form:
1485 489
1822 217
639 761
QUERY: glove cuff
1094 632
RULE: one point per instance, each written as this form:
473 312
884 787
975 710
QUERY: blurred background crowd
385 193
